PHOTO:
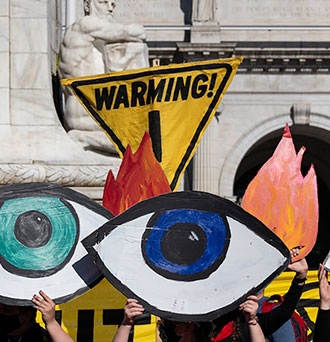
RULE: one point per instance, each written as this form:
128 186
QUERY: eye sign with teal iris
38 235
185 244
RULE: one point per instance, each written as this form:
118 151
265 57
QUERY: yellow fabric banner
95 316
104 307
309 301
173 103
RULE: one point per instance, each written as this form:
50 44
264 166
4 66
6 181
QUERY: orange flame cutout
284 200
140 176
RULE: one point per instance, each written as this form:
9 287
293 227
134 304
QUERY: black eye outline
121 265
69 271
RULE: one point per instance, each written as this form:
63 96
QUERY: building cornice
259 57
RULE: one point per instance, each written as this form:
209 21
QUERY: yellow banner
173 103
94 316
309 301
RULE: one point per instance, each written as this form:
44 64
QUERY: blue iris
186 243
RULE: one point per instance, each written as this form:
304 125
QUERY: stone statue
204 10
97 44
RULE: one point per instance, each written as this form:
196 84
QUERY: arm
300 267
249 309
324 288
132 310
274 319
321 330
109 31
47 308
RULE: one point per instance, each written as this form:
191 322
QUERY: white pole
70 12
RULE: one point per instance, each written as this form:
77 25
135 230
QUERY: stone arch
238 151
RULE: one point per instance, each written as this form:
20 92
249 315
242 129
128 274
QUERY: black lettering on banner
112 316
171 89
104 97
122 97
182 88
138 91
198 90
155 92
85 326
115 317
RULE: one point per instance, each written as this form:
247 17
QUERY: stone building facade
284 79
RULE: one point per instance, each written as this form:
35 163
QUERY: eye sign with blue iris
187 255
41 228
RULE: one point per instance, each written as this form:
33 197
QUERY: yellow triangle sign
173 103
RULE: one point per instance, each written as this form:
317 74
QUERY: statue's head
99 8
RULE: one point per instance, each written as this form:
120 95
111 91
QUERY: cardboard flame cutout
284 200
140 177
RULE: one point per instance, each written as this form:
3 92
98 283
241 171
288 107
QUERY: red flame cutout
140 176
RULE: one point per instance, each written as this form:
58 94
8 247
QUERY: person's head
16 320
193 331
99 8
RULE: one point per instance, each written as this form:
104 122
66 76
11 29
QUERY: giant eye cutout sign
41 228
187 256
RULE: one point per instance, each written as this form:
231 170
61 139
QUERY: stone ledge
65 175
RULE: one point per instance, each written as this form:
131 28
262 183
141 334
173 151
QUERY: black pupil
33 229
183 243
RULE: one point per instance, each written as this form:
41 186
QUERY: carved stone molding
66 175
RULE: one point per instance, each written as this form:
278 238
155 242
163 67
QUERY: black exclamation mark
212 84
155 133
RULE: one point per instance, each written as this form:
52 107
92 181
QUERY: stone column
204 172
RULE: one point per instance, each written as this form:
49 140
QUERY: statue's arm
110 32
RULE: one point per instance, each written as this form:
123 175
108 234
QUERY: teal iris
61 233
